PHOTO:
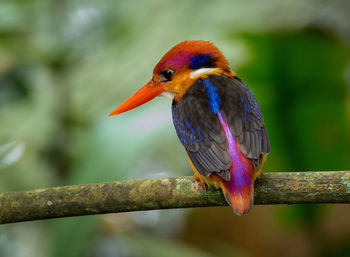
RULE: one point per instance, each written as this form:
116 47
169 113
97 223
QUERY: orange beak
143 95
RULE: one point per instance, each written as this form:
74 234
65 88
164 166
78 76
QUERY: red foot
200 181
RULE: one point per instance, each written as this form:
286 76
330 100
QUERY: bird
216 117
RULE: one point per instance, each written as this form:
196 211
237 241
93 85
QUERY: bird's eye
166 75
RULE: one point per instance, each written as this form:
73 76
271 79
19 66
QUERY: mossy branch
166 193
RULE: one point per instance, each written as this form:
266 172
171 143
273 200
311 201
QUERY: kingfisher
216 117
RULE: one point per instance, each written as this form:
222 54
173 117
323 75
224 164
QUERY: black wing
201 132
244 117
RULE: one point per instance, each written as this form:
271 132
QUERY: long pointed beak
143 95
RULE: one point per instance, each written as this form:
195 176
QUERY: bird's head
177 71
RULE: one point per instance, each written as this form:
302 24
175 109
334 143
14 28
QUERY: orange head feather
187 61
178 70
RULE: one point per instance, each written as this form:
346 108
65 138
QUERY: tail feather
239 190
241 201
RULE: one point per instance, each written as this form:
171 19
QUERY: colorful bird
216 118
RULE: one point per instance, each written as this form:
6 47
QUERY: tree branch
166 193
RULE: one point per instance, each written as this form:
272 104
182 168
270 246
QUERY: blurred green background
65 65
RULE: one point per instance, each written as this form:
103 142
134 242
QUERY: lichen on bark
166 193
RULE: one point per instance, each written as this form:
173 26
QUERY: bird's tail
239 191
241 201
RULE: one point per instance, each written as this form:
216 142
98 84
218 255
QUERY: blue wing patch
251 107
188 134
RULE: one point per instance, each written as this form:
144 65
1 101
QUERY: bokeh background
65 65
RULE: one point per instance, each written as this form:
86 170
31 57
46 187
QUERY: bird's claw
200 181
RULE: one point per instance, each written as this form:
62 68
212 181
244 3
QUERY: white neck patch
196 73
169 95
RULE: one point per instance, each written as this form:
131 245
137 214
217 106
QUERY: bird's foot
200 181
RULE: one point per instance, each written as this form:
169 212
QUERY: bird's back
219 123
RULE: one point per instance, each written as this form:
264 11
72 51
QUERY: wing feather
201 132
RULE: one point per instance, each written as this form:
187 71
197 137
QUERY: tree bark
166 193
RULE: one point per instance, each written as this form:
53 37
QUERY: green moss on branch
165 193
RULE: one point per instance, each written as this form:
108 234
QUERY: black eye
166 75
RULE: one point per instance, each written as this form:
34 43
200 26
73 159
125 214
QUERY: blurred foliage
65 65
